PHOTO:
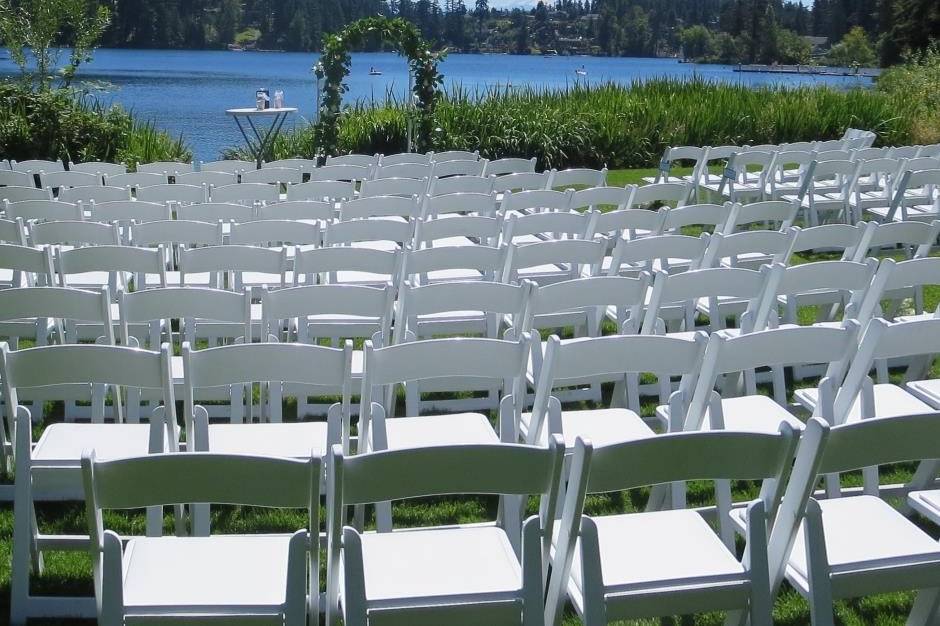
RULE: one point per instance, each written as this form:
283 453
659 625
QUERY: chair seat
890 401
601 426
661 549
927 503
193 575
759 414
918 212
438 276
63 444
439 430
438 566
850 526
926 390
288 439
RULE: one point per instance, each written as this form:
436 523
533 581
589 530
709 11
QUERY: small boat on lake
374 72
581 71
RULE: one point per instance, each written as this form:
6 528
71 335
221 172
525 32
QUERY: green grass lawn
70 573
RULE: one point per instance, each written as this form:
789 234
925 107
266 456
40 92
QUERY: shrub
917 81
64 124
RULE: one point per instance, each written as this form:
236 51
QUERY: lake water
187 91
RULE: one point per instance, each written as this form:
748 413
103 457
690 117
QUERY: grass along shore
622 126
69 573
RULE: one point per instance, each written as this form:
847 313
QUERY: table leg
251 145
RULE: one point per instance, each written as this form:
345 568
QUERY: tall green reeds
620 126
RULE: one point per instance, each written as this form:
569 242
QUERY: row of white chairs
608 356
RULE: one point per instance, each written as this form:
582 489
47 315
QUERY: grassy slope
69 573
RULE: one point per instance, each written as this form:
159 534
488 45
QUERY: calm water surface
188 91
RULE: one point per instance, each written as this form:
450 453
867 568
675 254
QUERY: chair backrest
372 229
418 171
346 172
823 156
578 177
337 263
227 166
56 180
207 177
116 260
380 206
911 180
463 358
776 214
404 158
778 245
98 167
642 253
136 180
14 193
611 357
178 232
235 259
74 233
215 211
462 184
493 299
36 166
188 305
268 362
34 264
681 153
405 187
592 296
501 167
883 340
628 223
420 265
161 479
42 210
575 253
13 231
658 194
321 190
833 236
297 210
274 233
714 216
485 230
599 198
17 179
523 181
179 194
60 305
460 203
87 364
533 201
169 168
550 225
746 352
273 175
362 160
304 165
687 288
315 302
245 193
459 167
97 194
454 155
915 237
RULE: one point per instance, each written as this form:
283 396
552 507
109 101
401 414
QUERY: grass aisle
70 573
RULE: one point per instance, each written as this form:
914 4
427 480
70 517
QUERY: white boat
374 72
581 71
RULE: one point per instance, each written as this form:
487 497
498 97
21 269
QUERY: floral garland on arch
334 64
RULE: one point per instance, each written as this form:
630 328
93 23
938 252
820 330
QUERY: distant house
820 45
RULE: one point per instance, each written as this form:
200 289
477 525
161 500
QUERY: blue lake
187 91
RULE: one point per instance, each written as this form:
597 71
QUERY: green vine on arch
334 63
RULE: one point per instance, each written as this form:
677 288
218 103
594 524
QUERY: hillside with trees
844 32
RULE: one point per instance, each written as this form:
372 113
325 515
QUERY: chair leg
26 556
926 604
383 516
820 587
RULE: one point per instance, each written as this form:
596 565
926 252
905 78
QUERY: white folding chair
97 194
659 194
461 184
273 176
175 194
458 167
473 574
679 153
861 545
404 158
167 168
207 178
135 180
174 235
347 265
523 181
750 249
787 172
403 187
13 193
535 201
454 155
577 177
342 172
227 166
671 253
298 211
22 266
826 188
769 215
910 204
98 167
678 564
48 469
551 261
237 267
323 190
93 267
508 166
712 218
42 210
261 578
746 175
402 169
62 180
244 193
